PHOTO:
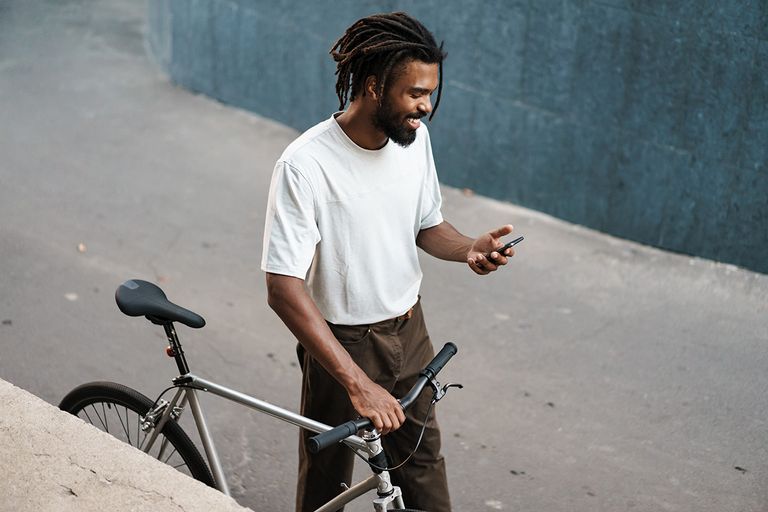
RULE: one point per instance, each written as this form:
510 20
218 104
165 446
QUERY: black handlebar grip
343 431
336 434
440 360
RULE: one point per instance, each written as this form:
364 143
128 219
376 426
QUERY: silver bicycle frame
192 383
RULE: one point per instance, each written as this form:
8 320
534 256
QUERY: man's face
406 101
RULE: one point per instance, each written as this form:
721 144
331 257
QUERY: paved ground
600 374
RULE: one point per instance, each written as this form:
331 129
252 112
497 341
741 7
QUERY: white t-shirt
346 219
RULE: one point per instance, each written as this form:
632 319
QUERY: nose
425 106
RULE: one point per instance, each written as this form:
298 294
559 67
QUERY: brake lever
438 391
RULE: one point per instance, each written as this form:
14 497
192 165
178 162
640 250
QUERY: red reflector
169 351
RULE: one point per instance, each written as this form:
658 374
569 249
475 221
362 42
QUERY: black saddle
141 298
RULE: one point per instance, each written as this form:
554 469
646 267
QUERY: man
350 201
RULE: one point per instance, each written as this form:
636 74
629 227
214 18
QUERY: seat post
178 352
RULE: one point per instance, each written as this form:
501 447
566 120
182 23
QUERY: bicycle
142 422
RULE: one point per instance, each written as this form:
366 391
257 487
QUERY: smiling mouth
413 121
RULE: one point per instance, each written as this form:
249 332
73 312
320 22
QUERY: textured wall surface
647 120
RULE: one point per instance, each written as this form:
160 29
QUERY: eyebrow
420 90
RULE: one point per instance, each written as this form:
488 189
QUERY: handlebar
337 434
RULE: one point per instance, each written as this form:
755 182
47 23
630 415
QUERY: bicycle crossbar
268 408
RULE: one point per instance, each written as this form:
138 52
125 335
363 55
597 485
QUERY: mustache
416 115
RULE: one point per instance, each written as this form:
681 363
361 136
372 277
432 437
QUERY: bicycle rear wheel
117 410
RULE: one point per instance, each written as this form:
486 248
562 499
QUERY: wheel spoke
170 455
96 412
127 424
87 416
117 411
106 420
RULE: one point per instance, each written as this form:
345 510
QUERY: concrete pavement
599 374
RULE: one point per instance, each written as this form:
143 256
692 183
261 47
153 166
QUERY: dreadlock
375 45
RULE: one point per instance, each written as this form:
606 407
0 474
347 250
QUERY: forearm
445 242
288 297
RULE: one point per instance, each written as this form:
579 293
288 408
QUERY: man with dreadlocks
350 201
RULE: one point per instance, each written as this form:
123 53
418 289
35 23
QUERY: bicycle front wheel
118 411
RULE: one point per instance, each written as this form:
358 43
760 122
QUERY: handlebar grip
343 431
336 434
440 360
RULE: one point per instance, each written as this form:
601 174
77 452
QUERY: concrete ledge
52 461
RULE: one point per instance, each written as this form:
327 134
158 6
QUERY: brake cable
415 448
438 394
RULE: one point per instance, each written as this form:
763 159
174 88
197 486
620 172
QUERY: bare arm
445 242
288 297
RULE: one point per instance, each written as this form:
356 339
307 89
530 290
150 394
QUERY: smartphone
501 250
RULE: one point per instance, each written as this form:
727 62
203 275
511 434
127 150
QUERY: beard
393 124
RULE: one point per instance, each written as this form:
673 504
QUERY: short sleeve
290 230
431 200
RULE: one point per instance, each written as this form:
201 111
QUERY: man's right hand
289 298
374 402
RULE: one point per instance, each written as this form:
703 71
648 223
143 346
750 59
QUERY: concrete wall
647 120
54 462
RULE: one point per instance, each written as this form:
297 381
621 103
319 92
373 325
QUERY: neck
356 123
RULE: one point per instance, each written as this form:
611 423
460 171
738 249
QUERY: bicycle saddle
141 298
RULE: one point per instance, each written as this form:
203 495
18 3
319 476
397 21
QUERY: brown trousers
391 353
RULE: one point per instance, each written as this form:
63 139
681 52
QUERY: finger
476 268
508 253
502 231
377 423
472 265
498 258
486 263
400 414
480 270
395 422
387 425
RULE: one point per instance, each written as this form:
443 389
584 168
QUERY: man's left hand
483 257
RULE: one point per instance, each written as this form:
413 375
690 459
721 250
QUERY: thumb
502 231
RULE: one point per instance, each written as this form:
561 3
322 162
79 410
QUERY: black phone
514 242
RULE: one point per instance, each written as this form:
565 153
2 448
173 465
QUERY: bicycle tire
104 400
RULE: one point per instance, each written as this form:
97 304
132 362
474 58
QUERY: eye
420 94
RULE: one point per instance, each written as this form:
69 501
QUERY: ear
369 87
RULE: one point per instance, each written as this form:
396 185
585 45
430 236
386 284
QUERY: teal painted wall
644 119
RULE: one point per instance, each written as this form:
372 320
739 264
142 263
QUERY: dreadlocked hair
375 45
